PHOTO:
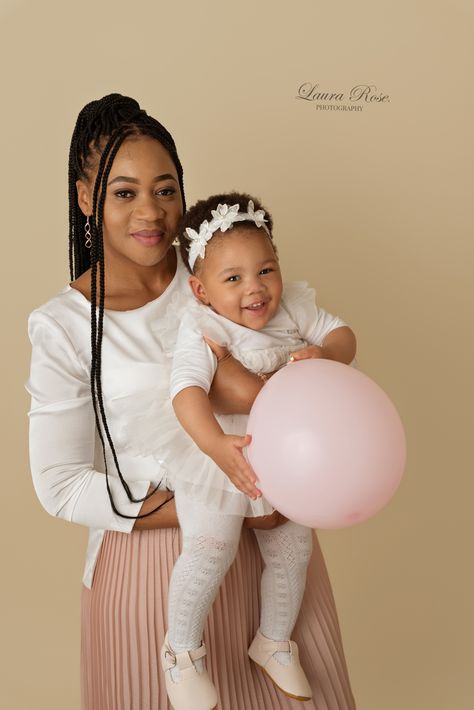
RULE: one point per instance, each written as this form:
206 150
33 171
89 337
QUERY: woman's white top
65 452
297 322
137 356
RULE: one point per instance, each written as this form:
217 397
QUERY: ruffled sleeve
194 363
314 323
63 435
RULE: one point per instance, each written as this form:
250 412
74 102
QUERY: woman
128 288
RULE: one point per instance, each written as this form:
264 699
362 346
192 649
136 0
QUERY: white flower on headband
224 217
258 216
199 241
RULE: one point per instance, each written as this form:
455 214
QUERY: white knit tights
286 551
210 542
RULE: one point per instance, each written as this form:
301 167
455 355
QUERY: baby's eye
268 270
234 278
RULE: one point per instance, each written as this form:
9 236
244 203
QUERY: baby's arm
193 409
327 335
194 367
339 344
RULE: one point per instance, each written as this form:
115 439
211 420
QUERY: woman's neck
129 288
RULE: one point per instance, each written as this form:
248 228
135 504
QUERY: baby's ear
197 287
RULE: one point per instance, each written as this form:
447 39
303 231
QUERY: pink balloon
328 446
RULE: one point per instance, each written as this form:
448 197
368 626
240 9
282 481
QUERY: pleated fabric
124 622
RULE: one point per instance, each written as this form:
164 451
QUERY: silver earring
175 242
87 234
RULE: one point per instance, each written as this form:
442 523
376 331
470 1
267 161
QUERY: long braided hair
101 128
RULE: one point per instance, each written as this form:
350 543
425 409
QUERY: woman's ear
197 287
84 197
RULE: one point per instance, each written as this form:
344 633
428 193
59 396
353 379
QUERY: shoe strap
184 659
272 647
198 653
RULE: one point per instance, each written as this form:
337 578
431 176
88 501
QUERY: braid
95 127
109 120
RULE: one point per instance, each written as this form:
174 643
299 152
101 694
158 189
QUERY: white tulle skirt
189 470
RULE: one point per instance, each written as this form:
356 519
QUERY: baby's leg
210 543
286 551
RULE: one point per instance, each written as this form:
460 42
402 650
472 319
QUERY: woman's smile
149 237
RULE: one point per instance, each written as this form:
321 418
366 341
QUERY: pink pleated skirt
124 622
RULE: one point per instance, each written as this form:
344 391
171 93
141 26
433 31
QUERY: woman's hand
266 522
165 517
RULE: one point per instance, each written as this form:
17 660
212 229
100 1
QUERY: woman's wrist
159 511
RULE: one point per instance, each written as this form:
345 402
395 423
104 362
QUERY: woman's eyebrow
158 178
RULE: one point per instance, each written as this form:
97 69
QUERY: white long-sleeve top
65 453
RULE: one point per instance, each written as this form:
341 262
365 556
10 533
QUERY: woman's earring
175 242
87 234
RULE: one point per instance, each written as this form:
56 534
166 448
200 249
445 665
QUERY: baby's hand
227 454
309 352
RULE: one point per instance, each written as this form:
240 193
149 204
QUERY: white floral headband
223 219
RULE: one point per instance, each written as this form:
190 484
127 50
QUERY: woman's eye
123 194
166 191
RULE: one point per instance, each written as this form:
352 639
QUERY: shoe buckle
172 657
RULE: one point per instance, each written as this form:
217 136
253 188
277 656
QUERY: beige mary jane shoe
290 679
193 690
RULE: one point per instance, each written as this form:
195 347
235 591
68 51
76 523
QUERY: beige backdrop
373 207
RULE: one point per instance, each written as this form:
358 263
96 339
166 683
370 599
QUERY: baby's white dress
298 321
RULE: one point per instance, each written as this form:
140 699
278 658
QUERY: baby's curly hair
196 214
